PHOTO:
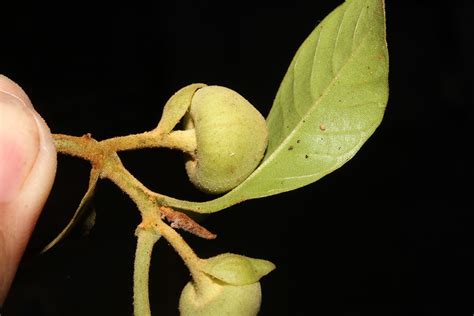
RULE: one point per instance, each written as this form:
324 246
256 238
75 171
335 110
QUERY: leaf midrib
311 109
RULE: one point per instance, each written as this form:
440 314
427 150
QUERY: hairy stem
148 206
98 153
182 140
146 239
83 147
140 194
192 261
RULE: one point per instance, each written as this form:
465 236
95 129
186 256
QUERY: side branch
148 201
192 261
103 156
184 140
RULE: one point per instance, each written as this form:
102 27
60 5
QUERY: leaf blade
94 177
288 129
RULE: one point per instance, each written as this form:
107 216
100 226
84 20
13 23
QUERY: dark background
390 233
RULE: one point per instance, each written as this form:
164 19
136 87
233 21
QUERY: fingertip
10 87
23 208
29 163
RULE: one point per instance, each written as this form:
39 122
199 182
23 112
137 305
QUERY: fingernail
19 145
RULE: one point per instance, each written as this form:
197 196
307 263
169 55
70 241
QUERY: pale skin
27 170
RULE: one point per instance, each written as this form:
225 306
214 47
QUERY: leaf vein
357 25
312 108
329 86
313 72
333 68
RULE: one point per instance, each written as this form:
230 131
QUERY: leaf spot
322 127
290 148
306 156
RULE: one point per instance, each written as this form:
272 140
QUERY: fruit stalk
146 239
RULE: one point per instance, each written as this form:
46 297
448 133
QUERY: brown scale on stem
184 222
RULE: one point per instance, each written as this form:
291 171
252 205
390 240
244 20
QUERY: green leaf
331 100
176 107
237 270
80 211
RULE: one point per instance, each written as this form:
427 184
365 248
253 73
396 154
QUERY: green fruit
231 138
221 299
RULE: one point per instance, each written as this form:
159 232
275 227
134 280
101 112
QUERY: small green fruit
221 299
231 138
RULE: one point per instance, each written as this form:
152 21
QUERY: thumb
27 170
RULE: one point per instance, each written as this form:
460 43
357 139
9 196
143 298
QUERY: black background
390 233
